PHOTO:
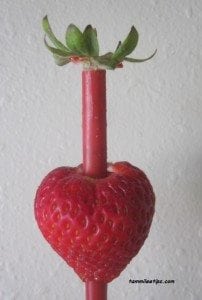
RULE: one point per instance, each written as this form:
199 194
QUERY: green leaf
106 56
57 51
126 47
75 40
105 60
61 60
138 60
90 37
119 44
50 34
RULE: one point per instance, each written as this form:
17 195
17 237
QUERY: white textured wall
154 121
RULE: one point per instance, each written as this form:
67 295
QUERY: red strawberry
96 225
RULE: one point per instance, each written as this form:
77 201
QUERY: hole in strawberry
82 247
119 227
56 217
67 226
65 208
100 218
41 203
41 223
98 245
127 246
121 244
104 201
105 238
52 208
85 201
73 212
88 239
43 191
49 237
82 221
138 242
129 231
110 223
96 202
115 242
95 229
125 210
45 215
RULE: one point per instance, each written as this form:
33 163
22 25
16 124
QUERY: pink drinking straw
94 127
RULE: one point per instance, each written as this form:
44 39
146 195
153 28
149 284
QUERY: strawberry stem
96 290
94 123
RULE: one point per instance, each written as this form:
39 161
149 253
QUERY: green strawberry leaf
57 51
50 34
61 60
75 40
138 60
90 37
119 44
126 47
105 60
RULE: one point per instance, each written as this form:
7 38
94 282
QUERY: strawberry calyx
77 59
83 47
120 65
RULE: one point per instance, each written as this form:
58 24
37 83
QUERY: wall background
154 121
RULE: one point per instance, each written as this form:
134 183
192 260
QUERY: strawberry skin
96 225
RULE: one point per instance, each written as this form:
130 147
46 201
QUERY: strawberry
96 225
95 216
